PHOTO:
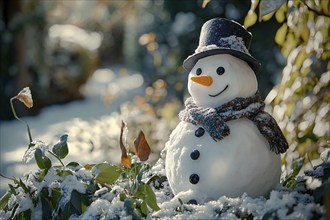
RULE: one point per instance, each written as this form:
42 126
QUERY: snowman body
239 163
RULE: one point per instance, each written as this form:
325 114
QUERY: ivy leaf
142 147
268 6
42 160
125 159
105 173
61 148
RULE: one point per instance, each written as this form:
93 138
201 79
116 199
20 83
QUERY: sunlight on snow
68 33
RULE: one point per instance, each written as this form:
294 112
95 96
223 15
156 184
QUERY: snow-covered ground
58 119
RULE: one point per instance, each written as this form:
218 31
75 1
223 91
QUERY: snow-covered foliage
81 192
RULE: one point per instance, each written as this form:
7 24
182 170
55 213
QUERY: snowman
225 144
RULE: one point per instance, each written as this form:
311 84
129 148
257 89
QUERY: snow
282 202
68 33
233 42
29 153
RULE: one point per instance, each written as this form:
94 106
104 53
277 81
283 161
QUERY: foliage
300 100
68 190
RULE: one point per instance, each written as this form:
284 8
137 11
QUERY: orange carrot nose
203 80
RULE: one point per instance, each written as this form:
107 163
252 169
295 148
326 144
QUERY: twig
59 159
15 115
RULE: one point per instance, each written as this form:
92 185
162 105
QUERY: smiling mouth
219 92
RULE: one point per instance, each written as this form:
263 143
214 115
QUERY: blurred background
55 46
92 63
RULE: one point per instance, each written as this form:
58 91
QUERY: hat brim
190 62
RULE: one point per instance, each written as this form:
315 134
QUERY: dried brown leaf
25 96
125 160
142 147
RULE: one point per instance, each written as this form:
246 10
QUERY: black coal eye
220 70
198 71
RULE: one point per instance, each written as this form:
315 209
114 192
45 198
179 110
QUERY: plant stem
59 159
15 115
3 176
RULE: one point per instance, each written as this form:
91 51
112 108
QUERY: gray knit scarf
213 120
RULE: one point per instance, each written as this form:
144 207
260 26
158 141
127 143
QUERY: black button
199 132
195 155
193 202
194 178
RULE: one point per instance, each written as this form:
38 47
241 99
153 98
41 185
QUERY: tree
300 102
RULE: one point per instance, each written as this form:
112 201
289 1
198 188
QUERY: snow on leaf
29 153
61 148
42 160
325 155
105 173
25 96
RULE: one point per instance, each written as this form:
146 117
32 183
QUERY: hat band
232 42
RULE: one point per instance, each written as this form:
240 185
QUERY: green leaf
144 208
42 175
61 148
122 196
295 168
76 200
151 198
105 173
146 193
24 187
26 215
42 160
4 200
73 164
268 6
297 165
63 173
12 189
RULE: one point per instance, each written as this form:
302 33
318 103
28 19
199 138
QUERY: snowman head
217 79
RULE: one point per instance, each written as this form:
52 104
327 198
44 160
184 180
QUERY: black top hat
223 36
